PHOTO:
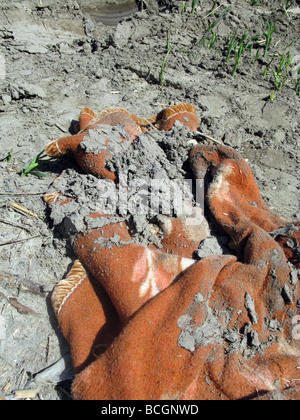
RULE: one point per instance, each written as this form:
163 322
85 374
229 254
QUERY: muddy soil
57 57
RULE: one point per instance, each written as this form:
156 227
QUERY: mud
59 58
155 165
96 140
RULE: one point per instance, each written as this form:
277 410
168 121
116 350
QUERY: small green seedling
267 67
256 56
169 48
238 55
194 5
288 4
232 45
211 27
183 7
272 96
31 168
281 73
268 34
239 46
9 156
279 80
213 40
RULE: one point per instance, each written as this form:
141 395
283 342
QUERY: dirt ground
56 57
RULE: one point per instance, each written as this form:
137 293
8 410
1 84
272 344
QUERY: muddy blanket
191 300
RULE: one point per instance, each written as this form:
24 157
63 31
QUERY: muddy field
236 61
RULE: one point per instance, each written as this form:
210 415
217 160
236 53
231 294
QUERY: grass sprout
232 45
194 5
268 34
288 4
268 67
238 57
183 7
8 158
212 26
272 96
256 55
239 46
281 73
162 71
31 168
213 40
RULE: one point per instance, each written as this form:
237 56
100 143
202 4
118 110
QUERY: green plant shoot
9 156
169 48
268 34
194 5
31 168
